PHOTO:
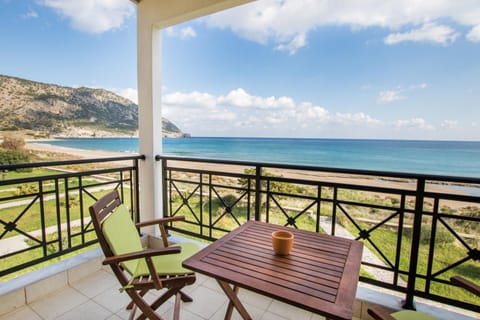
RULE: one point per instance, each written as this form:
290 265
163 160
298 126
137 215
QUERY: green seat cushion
170 264
122 237
411 315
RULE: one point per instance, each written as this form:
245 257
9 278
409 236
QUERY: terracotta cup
282 242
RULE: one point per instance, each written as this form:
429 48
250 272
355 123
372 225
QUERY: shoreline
80 153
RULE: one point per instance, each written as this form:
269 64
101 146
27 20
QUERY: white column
150 118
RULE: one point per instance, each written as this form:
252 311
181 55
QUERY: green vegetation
52 248
14 157
24 213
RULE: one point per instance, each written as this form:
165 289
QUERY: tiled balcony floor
97 297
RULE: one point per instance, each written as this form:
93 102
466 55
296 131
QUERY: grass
52 249
28 219
447 250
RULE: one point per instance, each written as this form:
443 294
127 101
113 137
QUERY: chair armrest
160 221
379 313
141 254
466 284
161 224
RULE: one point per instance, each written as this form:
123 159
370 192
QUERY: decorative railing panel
44 207
418 230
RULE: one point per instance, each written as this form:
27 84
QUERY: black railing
418 230
44 206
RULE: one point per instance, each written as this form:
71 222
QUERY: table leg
228 313
234 301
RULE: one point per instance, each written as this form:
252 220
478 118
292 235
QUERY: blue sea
453 158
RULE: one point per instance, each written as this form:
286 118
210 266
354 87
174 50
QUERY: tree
11 142
12 152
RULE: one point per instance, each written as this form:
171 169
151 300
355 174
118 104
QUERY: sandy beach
78 153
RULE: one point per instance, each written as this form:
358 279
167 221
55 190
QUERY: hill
48 110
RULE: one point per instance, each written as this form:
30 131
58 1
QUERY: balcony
418 231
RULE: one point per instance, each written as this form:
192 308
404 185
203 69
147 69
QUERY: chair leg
147 310
185 297
131 315
176 309
157 303
132 304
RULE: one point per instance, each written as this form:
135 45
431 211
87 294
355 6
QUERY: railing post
417 226
258 195
164 188
137 188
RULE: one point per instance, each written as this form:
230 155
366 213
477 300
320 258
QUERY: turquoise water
455 158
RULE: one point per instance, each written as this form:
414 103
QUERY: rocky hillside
47 110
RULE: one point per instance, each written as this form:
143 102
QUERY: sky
370 69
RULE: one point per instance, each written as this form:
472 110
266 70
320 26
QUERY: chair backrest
115 229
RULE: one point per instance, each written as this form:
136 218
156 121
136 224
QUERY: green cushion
411 315
122 237
170 264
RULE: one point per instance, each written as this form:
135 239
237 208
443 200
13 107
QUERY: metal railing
44 206
418 230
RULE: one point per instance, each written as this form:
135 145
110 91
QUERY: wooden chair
139 270
380 313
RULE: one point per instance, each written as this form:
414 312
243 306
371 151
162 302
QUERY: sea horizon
246 137
436 157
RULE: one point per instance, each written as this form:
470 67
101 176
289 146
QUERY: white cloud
240 113
188 32
128 93
429 32
183 33
418 123
418 86
191 100
390 96
240 98
474 34
243 113
356 118
299 41
93 16
30 14
286 23
307 111
449 124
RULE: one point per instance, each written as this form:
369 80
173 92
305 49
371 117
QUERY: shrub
219 206
14 157
11 142
26 189
442 236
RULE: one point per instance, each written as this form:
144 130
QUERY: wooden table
320 274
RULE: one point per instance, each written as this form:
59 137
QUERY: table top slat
276 271
267 282
295 258
309 250
290 265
